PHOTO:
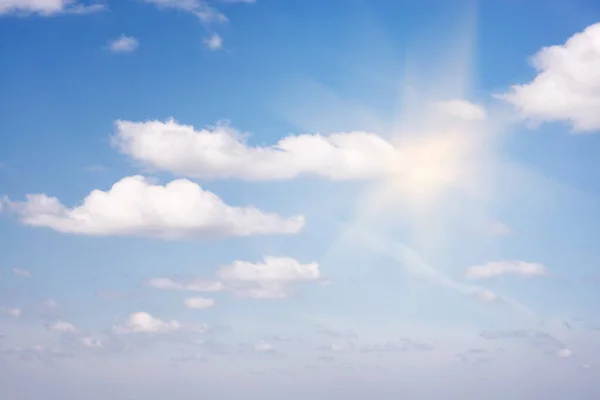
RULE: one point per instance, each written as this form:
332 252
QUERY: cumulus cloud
61 326
214 42
567 84
199 303
22 273
135 207
123 44
462 109
267 279
221 152
512 267
142 322
48 7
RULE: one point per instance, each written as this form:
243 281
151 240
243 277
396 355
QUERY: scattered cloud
264 347
564 353
199 303
221 152
567 85
267 279
199 8
48 8
61 326
499 268
123 44
22 273
398 346
13 312
462 109
142 322
214 42
541 340
191 284
135 207
38 353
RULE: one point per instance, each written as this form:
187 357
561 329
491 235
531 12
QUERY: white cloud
199 8
269 279
199 303
214 42
14 312
564 353
142 322
91 342
21 272
497 228
485 296
462 109
263 347
189 284
124 44
62 326
135 207
567 86
48 7
221 152
512 267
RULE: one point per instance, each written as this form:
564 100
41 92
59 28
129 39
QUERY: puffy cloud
48 7
264 347
214 42
268 279
567 85
222 153
21 272
564 353
61 326
142 322
199 303
135 207
462 109
123 44
498 268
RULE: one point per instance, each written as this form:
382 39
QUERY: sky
303 199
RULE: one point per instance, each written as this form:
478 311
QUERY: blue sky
227 199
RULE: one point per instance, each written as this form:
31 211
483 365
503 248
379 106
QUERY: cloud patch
135 207
567 84
512 267
47 8
123 44
221 152
142 322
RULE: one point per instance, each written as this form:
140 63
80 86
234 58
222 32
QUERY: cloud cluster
142 322
567 85
269 279
49 7
135 207
221 152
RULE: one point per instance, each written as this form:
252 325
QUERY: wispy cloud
23 273
511 267
49 8
214 42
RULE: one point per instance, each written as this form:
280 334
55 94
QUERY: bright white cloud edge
135 207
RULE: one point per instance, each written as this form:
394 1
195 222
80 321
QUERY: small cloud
95 168
199 303
564 353
13 312
497 228
61 326
123 44
91 342
263 347
512 267
485 296
214 42
462 109
22 273
142 322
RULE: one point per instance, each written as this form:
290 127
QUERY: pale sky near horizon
303 199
